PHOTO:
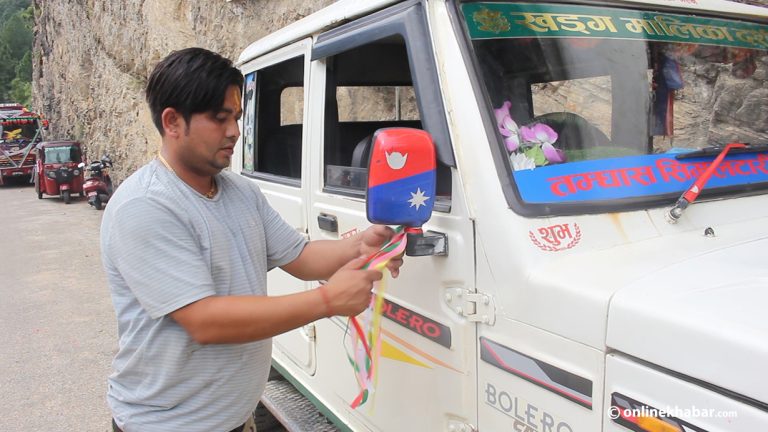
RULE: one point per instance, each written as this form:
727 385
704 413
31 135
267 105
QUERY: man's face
209 139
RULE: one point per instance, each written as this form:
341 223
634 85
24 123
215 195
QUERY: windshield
592 105
18 131
56 155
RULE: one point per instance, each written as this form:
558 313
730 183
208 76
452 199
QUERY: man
186 248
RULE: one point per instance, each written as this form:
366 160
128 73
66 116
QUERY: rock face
93 59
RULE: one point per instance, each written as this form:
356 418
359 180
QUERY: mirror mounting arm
431 243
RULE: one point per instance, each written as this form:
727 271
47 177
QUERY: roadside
57 327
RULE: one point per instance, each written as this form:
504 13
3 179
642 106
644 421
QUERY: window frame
408 21
300 49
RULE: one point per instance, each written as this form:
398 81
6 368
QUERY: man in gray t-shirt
186 248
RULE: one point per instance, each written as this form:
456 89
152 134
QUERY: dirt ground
57 327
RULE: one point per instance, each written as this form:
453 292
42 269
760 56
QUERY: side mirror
401 177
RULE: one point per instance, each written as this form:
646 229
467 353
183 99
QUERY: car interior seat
362 152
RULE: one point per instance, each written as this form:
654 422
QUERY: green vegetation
16 23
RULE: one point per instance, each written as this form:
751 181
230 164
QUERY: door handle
328 222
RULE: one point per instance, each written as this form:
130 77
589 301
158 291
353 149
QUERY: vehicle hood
704 317
679 299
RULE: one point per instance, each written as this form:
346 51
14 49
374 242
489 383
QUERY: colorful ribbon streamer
365 349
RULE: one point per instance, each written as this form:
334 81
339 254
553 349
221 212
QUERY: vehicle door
273 154
379 72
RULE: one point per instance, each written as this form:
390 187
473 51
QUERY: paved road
57 327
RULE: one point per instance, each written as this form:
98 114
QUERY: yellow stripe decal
390 351
417 351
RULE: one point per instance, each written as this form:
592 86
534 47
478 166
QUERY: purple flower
553 155
543 136
512 143
507 127
538 133
501 113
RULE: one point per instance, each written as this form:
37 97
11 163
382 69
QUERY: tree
10 7
7 70
20 91
21 86
17 33
16 38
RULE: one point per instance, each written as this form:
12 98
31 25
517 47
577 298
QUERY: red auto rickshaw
57 171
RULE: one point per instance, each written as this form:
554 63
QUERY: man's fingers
384 231
355 264
374 275
379 235
394 266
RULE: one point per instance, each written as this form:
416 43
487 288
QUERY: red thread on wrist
326 300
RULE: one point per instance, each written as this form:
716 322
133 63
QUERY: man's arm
239 319
321 258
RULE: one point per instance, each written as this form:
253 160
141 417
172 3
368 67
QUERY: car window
369 87
273 121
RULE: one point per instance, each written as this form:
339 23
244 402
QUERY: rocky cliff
93 57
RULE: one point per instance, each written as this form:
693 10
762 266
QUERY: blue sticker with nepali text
632 177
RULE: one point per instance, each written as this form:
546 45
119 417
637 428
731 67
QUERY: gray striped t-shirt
164 246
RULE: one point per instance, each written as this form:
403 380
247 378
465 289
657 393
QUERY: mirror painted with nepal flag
401 177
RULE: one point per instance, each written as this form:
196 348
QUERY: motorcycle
98 185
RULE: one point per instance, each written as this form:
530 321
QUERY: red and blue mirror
401 177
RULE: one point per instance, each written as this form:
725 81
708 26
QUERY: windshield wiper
693 192
714 150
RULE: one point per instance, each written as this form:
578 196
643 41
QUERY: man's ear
173 123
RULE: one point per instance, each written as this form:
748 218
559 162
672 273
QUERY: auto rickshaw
57 171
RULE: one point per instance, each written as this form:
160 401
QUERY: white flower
521 162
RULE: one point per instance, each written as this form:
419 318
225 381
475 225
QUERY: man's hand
348 291
373 238
321 258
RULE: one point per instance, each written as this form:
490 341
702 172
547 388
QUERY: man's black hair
191 81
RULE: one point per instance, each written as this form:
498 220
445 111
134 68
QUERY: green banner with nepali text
526 20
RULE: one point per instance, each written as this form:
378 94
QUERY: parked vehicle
562 284
20 131
58 169
98 185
